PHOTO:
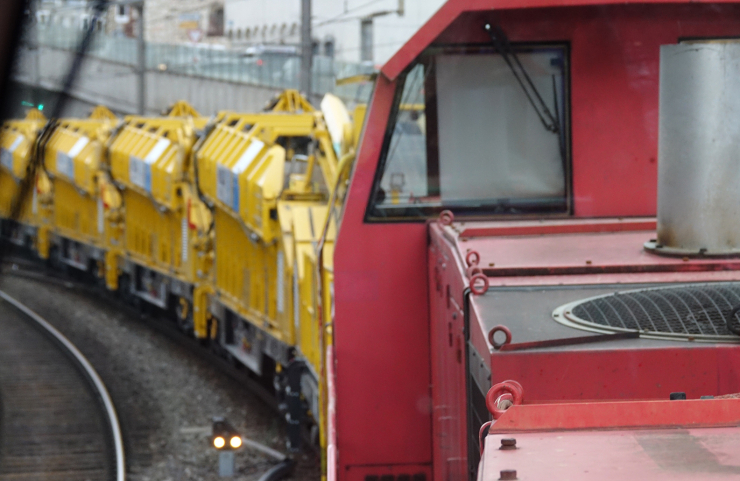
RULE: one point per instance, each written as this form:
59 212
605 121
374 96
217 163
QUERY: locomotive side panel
381 302
450 354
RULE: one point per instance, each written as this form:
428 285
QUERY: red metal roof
453 8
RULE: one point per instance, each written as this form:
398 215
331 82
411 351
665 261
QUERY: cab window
479 131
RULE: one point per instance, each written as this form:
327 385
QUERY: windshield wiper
502 45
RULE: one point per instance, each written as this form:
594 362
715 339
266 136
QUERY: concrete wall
115 85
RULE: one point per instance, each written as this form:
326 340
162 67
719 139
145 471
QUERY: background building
173 22
348 30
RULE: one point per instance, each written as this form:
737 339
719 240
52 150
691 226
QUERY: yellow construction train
226 222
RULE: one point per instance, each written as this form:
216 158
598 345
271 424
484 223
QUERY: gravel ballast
164 394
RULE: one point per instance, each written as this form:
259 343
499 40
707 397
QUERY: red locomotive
536 261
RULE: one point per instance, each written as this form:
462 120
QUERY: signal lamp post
226 439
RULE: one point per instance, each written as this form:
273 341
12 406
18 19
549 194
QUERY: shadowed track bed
52 425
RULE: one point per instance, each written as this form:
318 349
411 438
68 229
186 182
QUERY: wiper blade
502 45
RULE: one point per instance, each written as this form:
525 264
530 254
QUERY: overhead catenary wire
339 18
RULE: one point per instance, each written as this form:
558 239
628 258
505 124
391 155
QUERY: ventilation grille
693 312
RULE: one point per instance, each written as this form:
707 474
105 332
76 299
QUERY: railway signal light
225 439
225 436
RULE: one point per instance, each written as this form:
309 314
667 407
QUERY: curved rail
90 373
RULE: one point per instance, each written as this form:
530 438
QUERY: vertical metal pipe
306 47
141 71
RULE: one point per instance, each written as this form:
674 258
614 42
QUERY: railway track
23 266
35 270
57 420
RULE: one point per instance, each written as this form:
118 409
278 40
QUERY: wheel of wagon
184 315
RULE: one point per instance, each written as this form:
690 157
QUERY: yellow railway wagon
245 167
228 223
163 257
17 146
270 178
84 198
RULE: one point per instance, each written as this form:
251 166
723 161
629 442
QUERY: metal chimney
699 150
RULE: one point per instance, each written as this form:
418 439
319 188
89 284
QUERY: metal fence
215 62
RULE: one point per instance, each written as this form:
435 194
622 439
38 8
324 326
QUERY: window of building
216 22
465 136
329 47
366 40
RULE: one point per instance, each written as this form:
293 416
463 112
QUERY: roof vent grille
691 312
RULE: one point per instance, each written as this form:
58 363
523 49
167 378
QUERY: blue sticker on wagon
227 180
140 170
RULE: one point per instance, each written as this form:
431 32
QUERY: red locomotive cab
536 272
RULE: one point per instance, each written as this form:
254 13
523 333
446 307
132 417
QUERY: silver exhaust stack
699 150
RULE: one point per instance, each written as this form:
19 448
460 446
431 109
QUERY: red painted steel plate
624 414
584 253
664 454
451 10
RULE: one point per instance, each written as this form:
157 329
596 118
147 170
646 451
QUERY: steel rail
90 372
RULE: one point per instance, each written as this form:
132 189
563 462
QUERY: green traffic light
29 104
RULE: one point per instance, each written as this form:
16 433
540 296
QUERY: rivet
508 474
588 263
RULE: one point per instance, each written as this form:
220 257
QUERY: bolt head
508 443
508 474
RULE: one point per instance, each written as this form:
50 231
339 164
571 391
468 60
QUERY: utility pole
138 5
141 54
37 54
306 47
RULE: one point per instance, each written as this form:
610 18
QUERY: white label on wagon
251 153
6 155
140 170
65 161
